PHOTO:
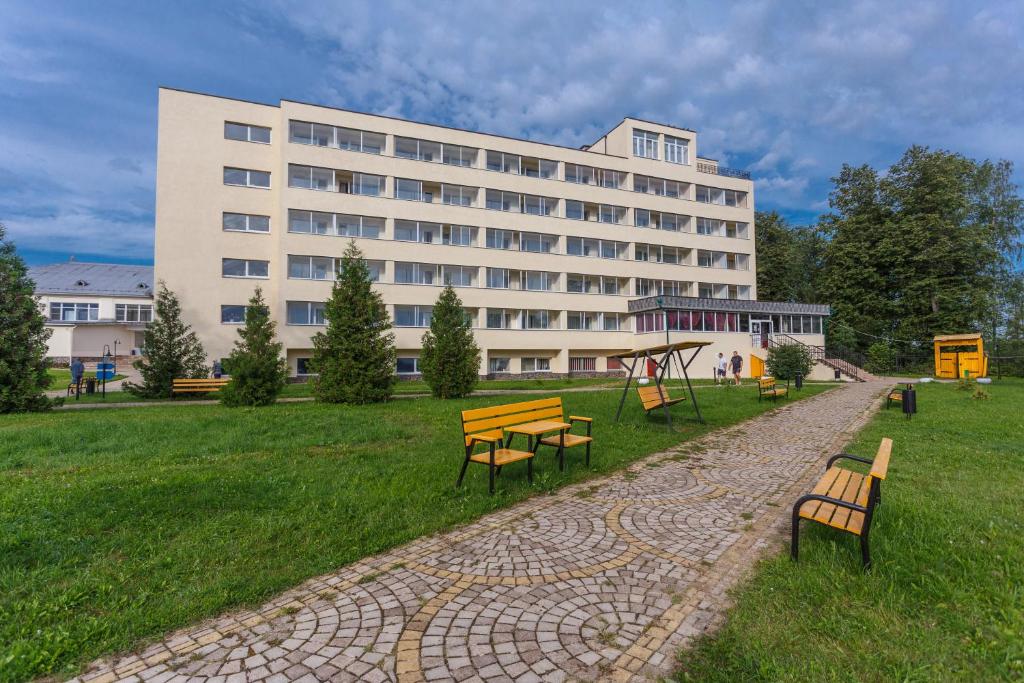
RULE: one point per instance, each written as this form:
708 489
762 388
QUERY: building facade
94 307
545 244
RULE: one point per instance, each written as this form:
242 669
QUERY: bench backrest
766 383
490 421
652 396
200 382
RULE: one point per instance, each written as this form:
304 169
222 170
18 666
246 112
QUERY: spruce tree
258 370
354 358
171 347
23 337
450 359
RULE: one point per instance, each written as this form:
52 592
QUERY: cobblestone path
603 581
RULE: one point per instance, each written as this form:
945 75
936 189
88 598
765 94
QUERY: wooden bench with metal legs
845 500
495 426
894 396
767 387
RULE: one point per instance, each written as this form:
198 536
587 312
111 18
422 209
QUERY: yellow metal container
957 354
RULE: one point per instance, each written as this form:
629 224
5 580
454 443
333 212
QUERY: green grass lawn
117 527
945 598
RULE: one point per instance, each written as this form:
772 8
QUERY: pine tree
450 359
23 336
258 370
171 350
355 356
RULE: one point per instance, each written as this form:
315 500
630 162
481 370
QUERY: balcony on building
516 164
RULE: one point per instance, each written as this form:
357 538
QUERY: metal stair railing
848 362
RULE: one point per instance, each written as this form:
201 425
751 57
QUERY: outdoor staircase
847 362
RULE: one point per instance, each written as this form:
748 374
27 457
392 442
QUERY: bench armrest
828 499
847 456
576 418
484 439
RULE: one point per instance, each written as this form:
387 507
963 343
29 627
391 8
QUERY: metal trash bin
90 385
799 380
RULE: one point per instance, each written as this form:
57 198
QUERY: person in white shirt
720 371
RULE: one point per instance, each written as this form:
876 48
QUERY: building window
246 177
458 235
322 135
246 222
246 132
708 226
539 206
537 320
342 225
414 231
582 364
368 185
133 313
611 214
497 278
505 163
303 366
537 242
235 267
497 364
574 210
74 312
408 365
642 218
311 267
457 195
645 144
580 320
457 155
305 312
499 239
539 281
500 319
705 259
232 315
459 276
535 365
610 322
677 150
413 316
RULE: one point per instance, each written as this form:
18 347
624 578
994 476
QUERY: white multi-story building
546 245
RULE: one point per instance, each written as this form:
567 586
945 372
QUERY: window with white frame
74 311
583 175
245 222
705 259
458 235
497 278
504 201
415 273
416 231
304 312
537 320
367 184
735 198
574 210
658 186
611 214
323 135
421 150
459 276
581 320
642 218
236 267
133 313
458 155
311 178
459 195
245 177
539 281
537 242
609 285
232 314
497 364
406 188
645 144
611 322
531 364
503 162
407 365
539 206
708 226
311 267
246 132
413 316
340 224
677 150
500 239
500 318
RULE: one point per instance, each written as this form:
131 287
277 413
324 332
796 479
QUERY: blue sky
788 90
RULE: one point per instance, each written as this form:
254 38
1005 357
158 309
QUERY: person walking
720 371
737 367
77 372
218 369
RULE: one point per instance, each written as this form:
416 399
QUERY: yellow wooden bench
894 396
766 386
654 397
845 500
197 386
488 426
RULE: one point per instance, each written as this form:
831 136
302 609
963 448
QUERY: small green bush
881 359
785 361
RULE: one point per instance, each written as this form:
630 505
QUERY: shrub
450 359
354 358
171 350
881 359
784 362
258 371
23 335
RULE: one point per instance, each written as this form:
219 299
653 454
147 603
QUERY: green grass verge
117 527
945 599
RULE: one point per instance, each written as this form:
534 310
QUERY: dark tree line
931 246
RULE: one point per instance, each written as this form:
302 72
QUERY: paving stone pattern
603 581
